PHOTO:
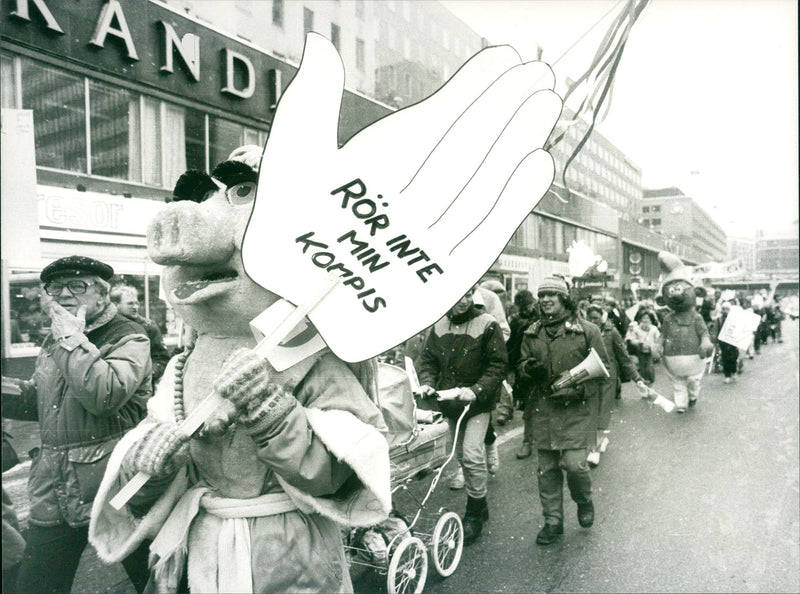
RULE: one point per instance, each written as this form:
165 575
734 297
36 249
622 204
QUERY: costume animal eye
240 194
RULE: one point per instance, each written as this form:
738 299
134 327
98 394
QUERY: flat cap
77 266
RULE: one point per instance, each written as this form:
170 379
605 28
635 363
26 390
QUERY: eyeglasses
76 287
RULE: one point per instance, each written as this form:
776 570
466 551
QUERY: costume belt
233 559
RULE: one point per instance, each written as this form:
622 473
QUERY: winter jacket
86 392
562 422
620 365
159 356
471 354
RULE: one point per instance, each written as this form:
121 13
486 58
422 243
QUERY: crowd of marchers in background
545 336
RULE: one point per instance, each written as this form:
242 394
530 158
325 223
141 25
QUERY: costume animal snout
183 233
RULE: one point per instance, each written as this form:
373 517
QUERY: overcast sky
707 86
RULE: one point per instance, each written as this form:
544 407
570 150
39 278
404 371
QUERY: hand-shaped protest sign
412 210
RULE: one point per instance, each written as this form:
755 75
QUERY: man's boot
525 451
477 513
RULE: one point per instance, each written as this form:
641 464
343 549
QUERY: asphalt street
706 501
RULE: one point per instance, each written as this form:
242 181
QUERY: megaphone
590 368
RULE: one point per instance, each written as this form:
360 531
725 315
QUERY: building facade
396 51
680 219
743 249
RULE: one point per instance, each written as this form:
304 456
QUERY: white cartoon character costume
253 503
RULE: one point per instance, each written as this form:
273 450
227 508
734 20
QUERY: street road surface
707 501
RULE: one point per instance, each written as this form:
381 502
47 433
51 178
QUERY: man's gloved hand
62 323
159 453
569 394
532 369
244 381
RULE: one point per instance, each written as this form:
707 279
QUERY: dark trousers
553 464
729 365
646 368
52 555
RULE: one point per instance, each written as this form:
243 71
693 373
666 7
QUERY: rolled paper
664 403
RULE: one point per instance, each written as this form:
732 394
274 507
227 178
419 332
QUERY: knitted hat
77 266
553 284
673 269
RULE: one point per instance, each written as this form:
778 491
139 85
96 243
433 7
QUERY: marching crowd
101 361
568 425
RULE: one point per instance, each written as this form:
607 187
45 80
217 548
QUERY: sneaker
492 458
586 514
457 480
681 409
549 534
727 380
593 458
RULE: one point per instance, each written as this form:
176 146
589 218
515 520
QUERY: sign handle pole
211 402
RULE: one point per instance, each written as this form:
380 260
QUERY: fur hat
77 266
673 269
553 284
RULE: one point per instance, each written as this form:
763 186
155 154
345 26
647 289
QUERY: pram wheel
447 544
408 568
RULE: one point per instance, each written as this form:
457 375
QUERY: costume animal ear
232 173
193 185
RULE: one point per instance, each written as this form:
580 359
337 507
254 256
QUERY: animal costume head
197 239
677 288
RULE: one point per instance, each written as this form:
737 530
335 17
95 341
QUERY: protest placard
739 327
412 210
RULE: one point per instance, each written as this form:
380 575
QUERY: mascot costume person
254 501
685 339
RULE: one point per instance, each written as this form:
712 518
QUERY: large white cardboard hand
412 210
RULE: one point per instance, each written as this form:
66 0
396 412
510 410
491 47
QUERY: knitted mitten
244 380
160 452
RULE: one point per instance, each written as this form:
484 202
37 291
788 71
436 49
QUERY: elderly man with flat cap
90 386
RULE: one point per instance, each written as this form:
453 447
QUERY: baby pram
399 546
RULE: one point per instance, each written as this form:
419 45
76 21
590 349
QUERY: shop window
223 137
336 33
308 21
28 323
277 13
657 208
655 222
194 142
7 83
57 99
114 118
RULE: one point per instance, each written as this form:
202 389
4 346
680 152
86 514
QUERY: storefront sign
144 41
64 208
